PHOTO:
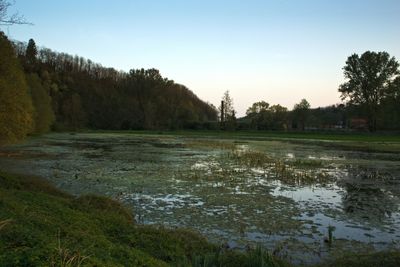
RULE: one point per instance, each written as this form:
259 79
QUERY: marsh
287 196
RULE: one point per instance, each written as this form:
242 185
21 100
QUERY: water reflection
369 195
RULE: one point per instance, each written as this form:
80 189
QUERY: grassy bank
350 141
42 226
392 137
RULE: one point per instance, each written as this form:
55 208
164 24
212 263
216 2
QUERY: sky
279 51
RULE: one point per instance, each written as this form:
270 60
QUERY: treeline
371 91
43 90
64 92
331 118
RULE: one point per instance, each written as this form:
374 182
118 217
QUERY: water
281 195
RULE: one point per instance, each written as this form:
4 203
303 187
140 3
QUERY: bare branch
14 19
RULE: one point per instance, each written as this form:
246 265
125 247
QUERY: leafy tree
390 107
44 115
300 113
16 110
257 108
368 81
279 117
265 117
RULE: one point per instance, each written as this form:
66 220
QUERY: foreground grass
42 226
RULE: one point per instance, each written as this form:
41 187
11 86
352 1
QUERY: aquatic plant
329 240
298 172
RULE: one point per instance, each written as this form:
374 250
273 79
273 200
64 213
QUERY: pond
302 201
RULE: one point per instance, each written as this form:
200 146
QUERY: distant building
359 123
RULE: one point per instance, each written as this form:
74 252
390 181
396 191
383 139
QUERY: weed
4 223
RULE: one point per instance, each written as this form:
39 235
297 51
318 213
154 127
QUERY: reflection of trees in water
370 194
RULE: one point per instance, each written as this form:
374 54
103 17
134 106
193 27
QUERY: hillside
47 90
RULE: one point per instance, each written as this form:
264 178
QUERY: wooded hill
41 89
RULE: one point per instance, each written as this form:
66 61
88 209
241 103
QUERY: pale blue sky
278 51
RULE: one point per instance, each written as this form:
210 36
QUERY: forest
43 90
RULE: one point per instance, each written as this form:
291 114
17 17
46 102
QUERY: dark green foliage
384 259
44 115
262 116
16 111
300 114
87 95
257 257
389 113
369 78
30 56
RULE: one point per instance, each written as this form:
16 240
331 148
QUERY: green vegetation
16 110
262 116
44 116
274 135
369 83
84 94
387 259
298 172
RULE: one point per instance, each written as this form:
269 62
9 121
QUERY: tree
16 110
301 113
226 107
262 116
368 80
390 107
30 55
259 115
227 112
6 19
279 117
257 108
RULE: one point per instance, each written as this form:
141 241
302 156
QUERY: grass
379 259
392 137
43 226
350 141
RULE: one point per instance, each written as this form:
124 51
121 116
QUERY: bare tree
6 19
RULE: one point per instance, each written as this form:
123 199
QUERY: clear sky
279 51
